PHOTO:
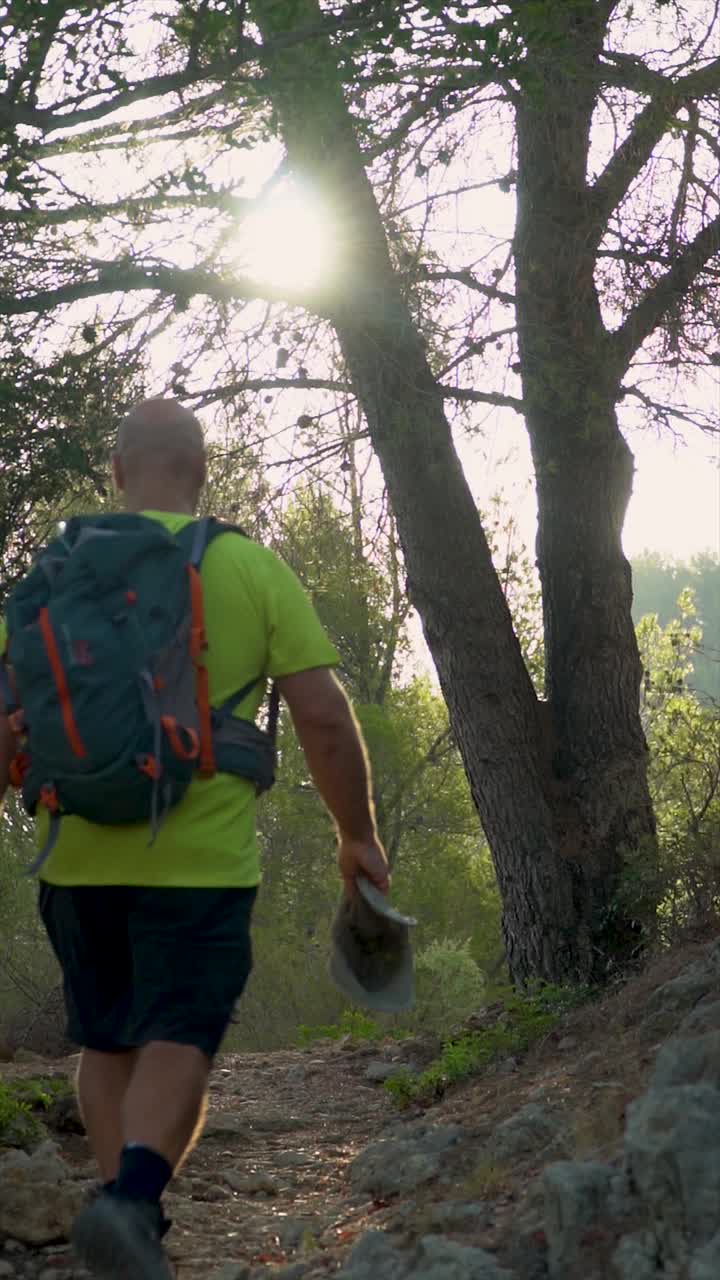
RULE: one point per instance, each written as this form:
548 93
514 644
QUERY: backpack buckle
150 766
49 797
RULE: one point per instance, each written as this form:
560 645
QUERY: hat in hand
371 958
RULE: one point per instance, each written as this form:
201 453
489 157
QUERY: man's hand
366 858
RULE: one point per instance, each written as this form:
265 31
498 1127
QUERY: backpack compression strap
203 532
198 645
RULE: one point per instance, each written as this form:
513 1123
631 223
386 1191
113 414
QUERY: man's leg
165 1103
102 1083
190 958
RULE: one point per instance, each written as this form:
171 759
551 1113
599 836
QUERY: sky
675 506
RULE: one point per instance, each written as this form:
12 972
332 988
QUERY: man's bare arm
332 742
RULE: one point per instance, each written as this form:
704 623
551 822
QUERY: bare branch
92 212
48 119
460 394
649 126
470 281
125 277
648 313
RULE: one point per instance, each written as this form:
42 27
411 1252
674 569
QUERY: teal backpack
104 681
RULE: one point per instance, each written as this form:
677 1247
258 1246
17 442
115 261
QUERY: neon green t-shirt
259 621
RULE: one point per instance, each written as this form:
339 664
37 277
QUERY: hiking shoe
119 1239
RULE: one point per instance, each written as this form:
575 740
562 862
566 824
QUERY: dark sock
143 1174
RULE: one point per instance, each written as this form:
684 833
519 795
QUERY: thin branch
648 313
93 212
460 394
650 125
48 119
125 277
467 278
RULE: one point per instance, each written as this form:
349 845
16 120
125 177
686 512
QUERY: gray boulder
433 1258
223 1124
668 1004
704 1017
394 1166
380 1070
637 1257
705 1265
533 1127
38 1201
672 1146
690 1060
576 1197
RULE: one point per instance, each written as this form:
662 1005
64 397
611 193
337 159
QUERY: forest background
185 210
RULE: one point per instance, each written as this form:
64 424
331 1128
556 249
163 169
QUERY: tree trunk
555 892
583 470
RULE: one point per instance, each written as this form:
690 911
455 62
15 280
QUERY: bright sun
289 243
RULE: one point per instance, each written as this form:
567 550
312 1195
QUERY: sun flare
289 242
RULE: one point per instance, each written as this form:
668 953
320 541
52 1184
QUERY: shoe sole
109 1246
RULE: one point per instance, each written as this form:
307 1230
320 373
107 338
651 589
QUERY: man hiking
152 928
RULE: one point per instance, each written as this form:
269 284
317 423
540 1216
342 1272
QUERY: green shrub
526 1017
18 1126
353 1023
450 986
37 1092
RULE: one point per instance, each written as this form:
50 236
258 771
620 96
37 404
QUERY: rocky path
595 1157
267 1185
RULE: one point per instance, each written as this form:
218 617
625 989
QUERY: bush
524 1018
450 986
18 1125
353 1023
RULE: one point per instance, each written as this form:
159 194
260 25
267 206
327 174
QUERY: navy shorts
142 964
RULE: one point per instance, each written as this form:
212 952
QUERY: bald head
160 456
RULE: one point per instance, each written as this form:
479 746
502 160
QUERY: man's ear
118 472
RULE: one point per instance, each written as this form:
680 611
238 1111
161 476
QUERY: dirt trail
267 1183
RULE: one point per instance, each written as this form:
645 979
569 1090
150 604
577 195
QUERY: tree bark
584 470
557 883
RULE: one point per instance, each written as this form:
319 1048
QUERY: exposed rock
567 1043
294 1159
704 1017
293 1272
433 1258
533 1127
250 1181
705 1265
636 1257
672 1146
576 1195
667 1004
291 1232
690 1060
271 1122
461 1215
223 1124
393 1166
379 1070
232 1271
37 1199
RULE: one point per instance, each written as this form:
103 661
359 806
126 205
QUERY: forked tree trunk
556 853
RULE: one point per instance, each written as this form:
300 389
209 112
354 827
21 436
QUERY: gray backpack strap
201 537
